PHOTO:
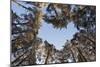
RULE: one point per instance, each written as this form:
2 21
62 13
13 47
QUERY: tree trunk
81 58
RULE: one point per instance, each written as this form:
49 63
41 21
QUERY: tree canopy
29 49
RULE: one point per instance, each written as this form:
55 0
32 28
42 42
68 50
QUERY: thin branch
21 5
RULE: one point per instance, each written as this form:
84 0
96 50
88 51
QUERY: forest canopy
29 49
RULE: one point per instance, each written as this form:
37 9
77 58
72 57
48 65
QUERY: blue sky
56 36
47 32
